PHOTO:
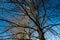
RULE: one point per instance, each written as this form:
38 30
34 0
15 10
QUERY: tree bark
41 35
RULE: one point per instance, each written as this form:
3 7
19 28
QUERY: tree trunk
41 35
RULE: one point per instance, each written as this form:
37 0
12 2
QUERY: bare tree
31 19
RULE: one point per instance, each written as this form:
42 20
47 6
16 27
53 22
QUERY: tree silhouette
31 19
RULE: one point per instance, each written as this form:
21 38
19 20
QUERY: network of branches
30 19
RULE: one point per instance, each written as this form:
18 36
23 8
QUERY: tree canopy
29 19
